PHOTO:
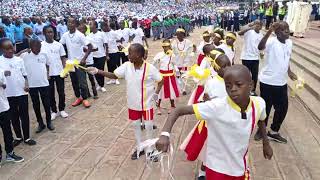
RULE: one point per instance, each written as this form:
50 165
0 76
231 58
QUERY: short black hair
3 40
139 48
47 27
220 50
34 42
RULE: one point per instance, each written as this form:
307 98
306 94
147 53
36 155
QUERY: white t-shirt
4 104
15 82
38 30
54 51
138 35
139 98
250 49
112 38
215 87
89 60
277 59
182 51
36 69
125 34
74 43
164 61
229 134
98 40
228 51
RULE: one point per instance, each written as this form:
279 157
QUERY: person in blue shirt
28 22
8 28
18 34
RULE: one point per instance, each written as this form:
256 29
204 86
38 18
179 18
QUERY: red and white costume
182 51
228 136
195 143
140 88
166 63
197 94
200 51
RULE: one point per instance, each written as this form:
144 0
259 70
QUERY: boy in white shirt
250 53
140 77
228 46
5 123
137 35
38 82
230 122
90 60
114 40
74 42
99 56
56 54
125 34
17 93
273 76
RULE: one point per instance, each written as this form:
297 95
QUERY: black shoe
11 157
201 178
30 142
134 156
40 128
154 127
257 136
16 142
95 97
143 127
50 127
276 137
184 93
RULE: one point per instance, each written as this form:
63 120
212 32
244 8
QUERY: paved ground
96 143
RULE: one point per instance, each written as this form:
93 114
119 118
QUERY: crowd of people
35 50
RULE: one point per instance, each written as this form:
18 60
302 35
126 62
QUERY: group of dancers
225 103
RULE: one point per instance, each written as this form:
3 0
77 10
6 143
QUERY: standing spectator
17 93
61 29
38 29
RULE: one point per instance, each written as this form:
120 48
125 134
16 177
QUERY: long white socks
137 133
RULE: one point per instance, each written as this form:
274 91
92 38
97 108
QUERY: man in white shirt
74 42
99 56
250 53
114 40
273 76
38 29
125 34
17 93
38 82
5 122
56 54
137 35
61 29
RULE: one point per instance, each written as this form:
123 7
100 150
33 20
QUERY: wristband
165 134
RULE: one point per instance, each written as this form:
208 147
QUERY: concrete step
306 66
312 84
314 59
308 101
306 49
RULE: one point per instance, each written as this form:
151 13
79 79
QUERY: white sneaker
64 114
117 82
109 82
103 89
98 88
53 116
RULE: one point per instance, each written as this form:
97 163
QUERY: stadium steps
306 58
